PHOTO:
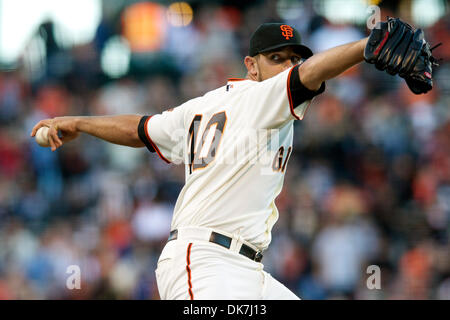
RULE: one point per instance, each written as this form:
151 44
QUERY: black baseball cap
271 36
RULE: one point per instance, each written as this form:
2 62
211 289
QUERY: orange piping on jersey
236 79
188 269
152 143
291 104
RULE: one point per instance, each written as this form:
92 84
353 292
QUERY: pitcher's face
272 63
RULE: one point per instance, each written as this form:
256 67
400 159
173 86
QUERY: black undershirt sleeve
142 135
299 92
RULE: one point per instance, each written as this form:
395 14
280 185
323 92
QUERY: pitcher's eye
275 57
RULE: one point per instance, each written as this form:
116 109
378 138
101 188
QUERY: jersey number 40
203 153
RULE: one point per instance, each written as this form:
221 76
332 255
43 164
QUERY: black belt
225 241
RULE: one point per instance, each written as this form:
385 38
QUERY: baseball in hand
42 137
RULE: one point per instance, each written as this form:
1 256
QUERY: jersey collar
236 79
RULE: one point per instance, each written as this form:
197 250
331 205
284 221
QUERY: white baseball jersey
235 142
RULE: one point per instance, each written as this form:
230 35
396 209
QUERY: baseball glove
396 47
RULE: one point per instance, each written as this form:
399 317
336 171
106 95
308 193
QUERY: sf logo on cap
287 31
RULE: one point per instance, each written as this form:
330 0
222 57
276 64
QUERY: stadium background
368 182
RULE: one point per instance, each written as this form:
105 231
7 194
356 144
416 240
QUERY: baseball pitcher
235 143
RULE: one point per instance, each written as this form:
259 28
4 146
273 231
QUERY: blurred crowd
368 182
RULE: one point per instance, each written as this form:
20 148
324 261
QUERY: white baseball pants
192 268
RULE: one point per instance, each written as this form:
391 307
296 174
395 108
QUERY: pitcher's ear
252 67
